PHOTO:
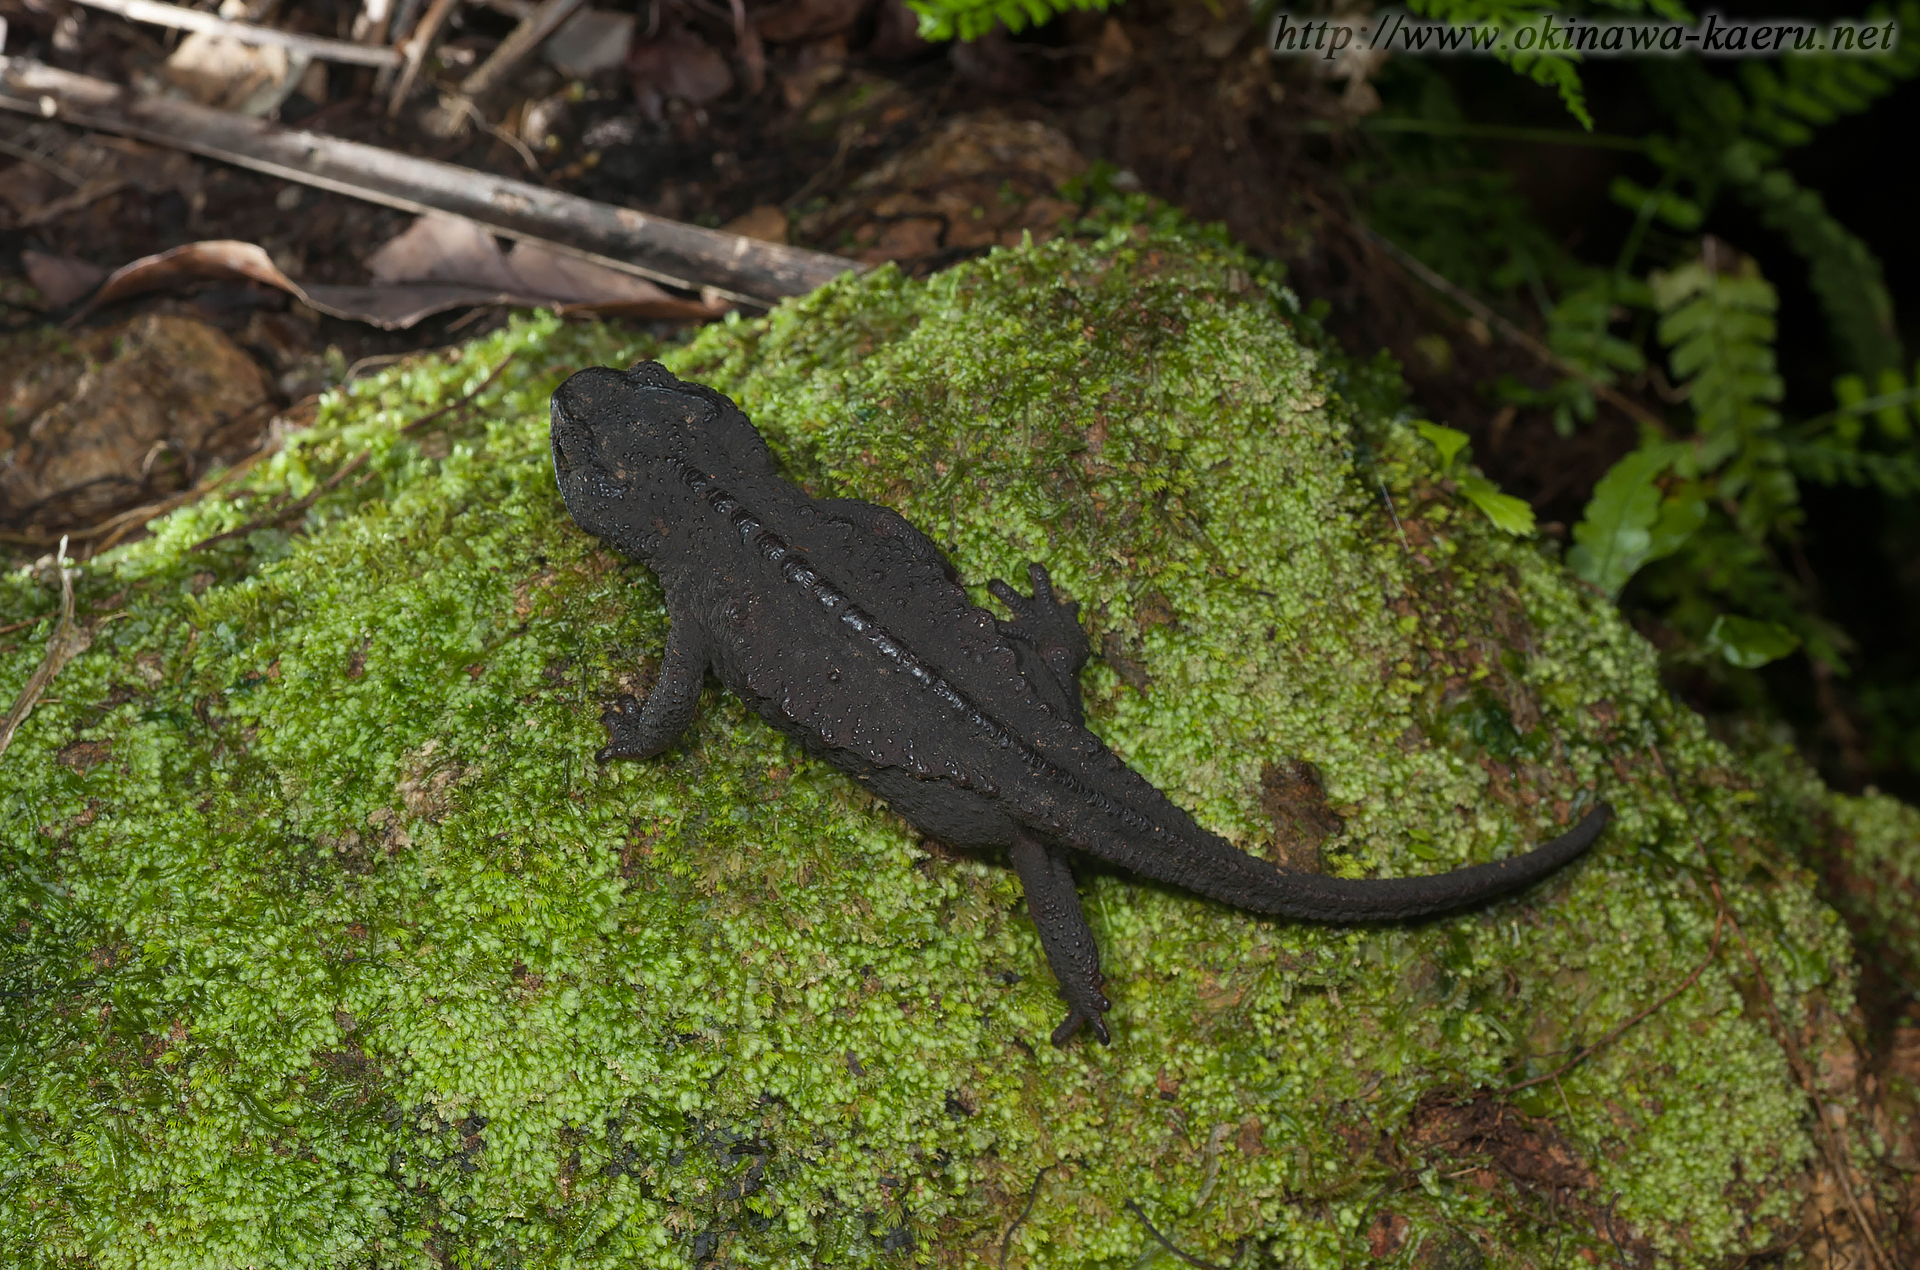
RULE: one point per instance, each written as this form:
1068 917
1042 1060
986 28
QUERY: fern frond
1845 275
1627 523
1558 71
1828 462
1717 324
971 19
1718 328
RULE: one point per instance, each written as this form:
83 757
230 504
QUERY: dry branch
68 641
415 49
741 269
182 19
517 47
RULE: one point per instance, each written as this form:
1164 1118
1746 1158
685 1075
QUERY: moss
332 946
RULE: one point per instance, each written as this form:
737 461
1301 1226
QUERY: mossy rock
329 945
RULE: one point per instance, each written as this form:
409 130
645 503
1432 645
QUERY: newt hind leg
1051 629
1064 935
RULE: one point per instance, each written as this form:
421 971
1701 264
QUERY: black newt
845 627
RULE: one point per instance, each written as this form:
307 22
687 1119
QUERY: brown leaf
800 20
60 280
591 40
765 222
455 251
397 307
676 63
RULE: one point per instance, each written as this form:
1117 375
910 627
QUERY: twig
463 105
42 162
299 507
1832 1145
1612 1238
461 404
292 509
519 44
126 522
1387 495
1587 1051
1472 304
119 525
89 193
418 45
740 269
1033 1193
67 642
1166 1243
181 19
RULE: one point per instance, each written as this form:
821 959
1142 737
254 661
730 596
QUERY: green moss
332 945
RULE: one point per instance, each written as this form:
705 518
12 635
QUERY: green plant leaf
1891 417
1504 510
1681 515
1449 441
1750 644
1616 533
1682 213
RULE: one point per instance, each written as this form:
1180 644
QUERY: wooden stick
522 41
173 15
740 269
67 642
42 162
1466 300
418 45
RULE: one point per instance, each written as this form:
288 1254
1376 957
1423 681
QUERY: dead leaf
800 20
765 222
453 250
250 79
676 63
60 280
398 307
441 248
589 41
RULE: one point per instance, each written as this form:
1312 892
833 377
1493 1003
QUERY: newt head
624 441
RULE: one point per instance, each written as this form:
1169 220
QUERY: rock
590 41
97 421
977 180
330 944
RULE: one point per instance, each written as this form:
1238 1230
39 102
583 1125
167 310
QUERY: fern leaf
1508 514
1748 643
1719 330
1616 533
1832 462
1845 275
1557 71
